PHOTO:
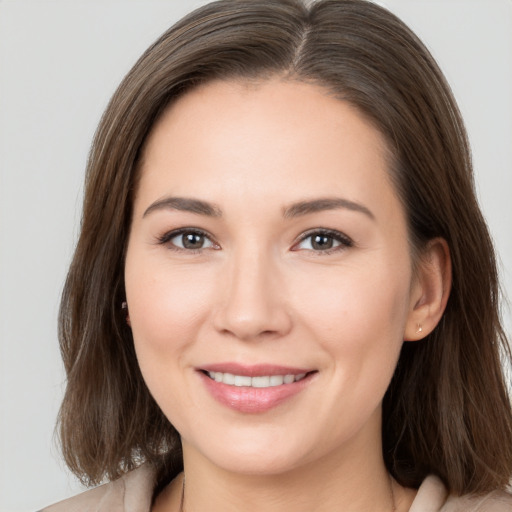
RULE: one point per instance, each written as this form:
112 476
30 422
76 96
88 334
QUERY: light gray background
59 63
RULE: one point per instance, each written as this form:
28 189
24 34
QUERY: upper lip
255 370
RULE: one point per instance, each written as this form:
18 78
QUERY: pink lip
248 399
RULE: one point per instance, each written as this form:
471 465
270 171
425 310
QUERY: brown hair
447 410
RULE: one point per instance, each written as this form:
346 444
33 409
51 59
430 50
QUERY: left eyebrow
328 203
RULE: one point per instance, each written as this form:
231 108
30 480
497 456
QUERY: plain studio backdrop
60 61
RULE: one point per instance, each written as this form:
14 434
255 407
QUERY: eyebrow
199 207
323 204
184 204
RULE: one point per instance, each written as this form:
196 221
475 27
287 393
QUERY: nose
252 300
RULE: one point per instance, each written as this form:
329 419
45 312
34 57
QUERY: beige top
133 493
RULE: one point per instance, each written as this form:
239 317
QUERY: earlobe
430 290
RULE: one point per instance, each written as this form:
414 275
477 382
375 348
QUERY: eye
323 241
187 240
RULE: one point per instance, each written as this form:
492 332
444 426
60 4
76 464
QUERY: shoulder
132 492
433 497
497 501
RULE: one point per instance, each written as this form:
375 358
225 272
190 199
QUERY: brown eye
192 241
320 241
187 240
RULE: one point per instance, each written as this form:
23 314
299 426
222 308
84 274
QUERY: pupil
193 241
322 242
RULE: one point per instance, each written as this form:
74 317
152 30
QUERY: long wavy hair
447 411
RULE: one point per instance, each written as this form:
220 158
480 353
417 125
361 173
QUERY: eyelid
344 240
169 235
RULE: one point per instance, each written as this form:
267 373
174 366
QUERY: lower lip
253 400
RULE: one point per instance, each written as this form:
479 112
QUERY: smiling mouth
261 381
256 388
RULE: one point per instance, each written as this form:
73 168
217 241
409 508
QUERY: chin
248 454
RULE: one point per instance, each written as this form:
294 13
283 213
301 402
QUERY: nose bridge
253 301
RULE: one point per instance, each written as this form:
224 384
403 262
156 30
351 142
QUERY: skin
258 291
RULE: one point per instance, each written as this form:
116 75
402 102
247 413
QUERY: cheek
356 310
357 317
364 296
167 304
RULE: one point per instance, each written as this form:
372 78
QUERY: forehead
271 139
304 108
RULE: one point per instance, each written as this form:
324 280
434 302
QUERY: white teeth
288 379
242 380
263 381
228 378
276 380
260 382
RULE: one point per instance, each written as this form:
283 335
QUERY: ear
430 290
124 306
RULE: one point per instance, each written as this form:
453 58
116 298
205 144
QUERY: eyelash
166 238
343 240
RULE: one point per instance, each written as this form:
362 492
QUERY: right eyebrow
185 204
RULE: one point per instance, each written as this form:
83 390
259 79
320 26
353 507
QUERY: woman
284 296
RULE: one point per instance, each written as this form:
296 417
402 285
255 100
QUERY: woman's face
268 275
